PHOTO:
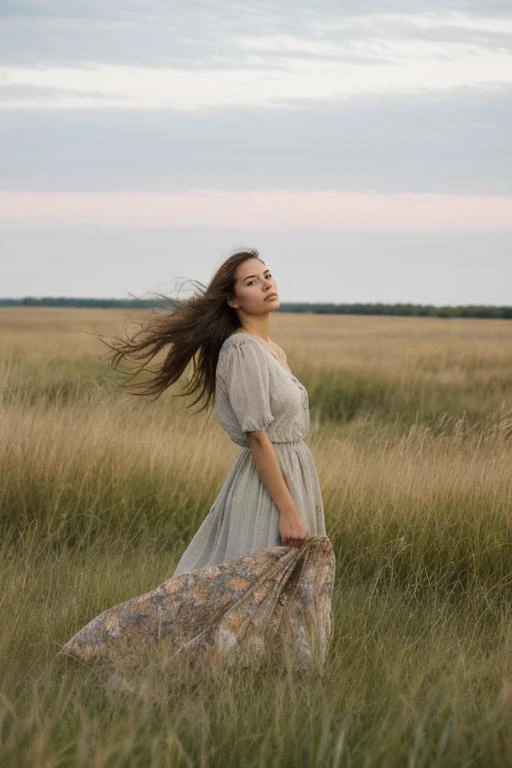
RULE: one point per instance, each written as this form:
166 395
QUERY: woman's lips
271 296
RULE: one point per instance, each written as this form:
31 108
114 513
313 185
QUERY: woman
271 496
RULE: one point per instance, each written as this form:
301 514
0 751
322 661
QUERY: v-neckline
245 333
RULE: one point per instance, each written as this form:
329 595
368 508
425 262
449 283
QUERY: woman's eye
251 282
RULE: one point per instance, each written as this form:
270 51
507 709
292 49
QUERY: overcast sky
363 147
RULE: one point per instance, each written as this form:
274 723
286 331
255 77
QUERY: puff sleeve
247 379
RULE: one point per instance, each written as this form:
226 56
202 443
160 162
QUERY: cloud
454 142
150 9
231 37
381 96
141 88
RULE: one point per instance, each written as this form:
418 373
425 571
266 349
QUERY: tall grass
100 492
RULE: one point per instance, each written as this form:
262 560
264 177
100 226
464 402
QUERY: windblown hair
194 329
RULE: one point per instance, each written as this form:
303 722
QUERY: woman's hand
292 530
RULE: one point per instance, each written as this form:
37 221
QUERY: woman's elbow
257 438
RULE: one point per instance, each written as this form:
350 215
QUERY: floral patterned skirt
275 603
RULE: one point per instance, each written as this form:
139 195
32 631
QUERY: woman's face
255 290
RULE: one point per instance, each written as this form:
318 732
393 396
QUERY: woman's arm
292 529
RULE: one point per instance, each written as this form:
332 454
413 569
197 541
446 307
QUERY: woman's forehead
251 267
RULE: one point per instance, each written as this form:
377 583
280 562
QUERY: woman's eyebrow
248 276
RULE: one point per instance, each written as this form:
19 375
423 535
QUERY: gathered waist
299 441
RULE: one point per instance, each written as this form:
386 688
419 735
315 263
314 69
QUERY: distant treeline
412 310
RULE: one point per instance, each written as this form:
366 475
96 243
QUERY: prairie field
100 492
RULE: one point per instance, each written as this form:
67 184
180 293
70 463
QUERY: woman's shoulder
241 348
240 339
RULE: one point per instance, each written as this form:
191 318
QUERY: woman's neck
257 326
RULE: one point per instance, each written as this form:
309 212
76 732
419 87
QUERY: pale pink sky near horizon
269 210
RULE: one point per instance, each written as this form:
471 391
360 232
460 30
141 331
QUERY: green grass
100 493
409 681
342 396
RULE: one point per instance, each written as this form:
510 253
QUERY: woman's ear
232 303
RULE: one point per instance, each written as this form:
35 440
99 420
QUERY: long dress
236 595
254 391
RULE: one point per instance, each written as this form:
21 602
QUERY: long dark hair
194 328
